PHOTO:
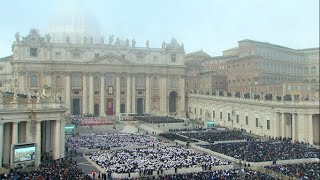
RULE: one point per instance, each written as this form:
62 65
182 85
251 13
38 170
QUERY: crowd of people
106 140
300 171
159 119
220 174
212 136
152 159
66 169
173 136
88 120
266 150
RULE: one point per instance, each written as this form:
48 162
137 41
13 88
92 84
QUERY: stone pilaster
68 91
163 95
148 93
91 94
293 121
118 94
133 107
102 96
84 94
128 104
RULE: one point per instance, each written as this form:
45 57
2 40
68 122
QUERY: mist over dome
76 25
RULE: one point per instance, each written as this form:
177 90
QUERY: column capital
46 72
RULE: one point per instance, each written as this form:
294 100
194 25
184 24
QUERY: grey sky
213 25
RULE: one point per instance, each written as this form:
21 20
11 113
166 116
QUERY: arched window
58 81
313 70
34 81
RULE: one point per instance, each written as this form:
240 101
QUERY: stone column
293 121
275 124
38 143
91 94
128 104
118 94
14 132
62 137
1 142
29 137
102 96
310 128
84 94
133 107
56 152
148 93
163 96
68 91
283 128
182 95
301 127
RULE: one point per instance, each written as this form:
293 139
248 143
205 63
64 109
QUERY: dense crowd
173 136
212 136
86 120
66 169
300 171
105 140
258 151
187 129
152 159
235 174
159 119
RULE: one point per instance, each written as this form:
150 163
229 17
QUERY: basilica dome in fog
76 25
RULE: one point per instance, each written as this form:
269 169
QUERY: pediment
110 59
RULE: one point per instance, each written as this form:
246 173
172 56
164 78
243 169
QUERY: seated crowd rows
173 136
269 150
220 174
105 140
212 136
89 121
66 169
152 159
159 119
300 171
187 129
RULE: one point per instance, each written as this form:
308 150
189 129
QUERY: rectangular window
257 122
96 92
122 92
200 112
268 124
139 92
189 109
76 92
33 52
221 115
247 120
228 116
173 57
195 110
96 55
1 68
237 118
213 114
